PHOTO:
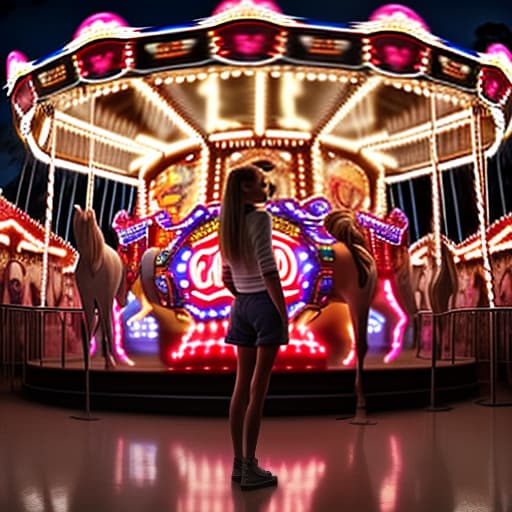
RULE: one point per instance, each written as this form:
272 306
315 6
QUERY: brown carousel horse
354 281
354 284
100 277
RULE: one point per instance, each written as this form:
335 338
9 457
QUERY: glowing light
117 324
203 348
227 5
290 92
99 23
479 173
210 90
398 331
391 229
16 63
501 50
399 13
351 356
29 242
260 103
390 485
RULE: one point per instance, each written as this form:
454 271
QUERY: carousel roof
20 233
123 99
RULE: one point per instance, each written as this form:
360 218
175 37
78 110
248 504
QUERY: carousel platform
148 386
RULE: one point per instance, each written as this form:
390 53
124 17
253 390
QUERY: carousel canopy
122 100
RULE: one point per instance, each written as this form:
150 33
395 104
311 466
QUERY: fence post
493 359
433 407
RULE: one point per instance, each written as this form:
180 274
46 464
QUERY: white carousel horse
100 277
354 281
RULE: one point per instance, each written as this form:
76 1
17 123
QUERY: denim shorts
255 321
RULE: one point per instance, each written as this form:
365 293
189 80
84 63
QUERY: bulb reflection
205 490
141 463
389 486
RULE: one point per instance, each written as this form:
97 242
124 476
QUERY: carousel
336 115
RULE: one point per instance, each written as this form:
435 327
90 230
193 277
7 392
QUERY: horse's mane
89 238
342 225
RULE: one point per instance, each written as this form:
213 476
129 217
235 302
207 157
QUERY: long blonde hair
233 240
343 226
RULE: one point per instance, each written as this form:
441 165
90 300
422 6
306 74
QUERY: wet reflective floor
410 461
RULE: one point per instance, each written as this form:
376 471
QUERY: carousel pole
50 112
436 218
90 174
50 190
87 335
480 174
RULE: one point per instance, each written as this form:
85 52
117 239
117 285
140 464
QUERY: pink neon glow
389 10
499 49
249 44
398 331
226 5
351 357
203 349
117 324
398 57
205 270
13 60
98 20
117 333
390 484
101 63
93 346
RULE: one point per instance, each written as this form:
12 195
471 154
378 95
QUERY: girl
259 321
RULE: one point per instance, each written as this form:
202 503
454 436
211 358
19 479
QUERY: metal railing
483 334
42 335
53 336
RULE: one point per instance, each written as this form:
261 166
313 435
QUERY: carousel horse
443 287
173 323
100 277
354 281
14 284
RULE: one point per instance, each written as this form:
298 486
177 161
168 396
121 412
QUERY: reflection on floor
410 461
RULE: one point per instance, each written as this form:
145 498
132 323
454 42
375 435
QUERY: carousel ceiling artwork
370 97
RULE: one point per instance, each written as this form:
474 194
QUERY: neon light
16 62
499 49
99 22
392 229
227 5
203 348
117 324
351 357
398 331
398 12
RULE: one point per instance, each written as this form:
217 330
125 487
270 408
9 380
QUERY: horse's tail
122 289
342 225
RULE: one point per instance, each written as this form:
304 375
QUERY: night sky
39 27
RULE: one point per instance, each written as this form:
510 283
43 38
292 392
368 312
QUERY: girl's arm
275 290
227 279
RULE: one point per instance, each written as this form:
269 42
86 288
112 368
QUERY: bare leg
246 360
265 357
